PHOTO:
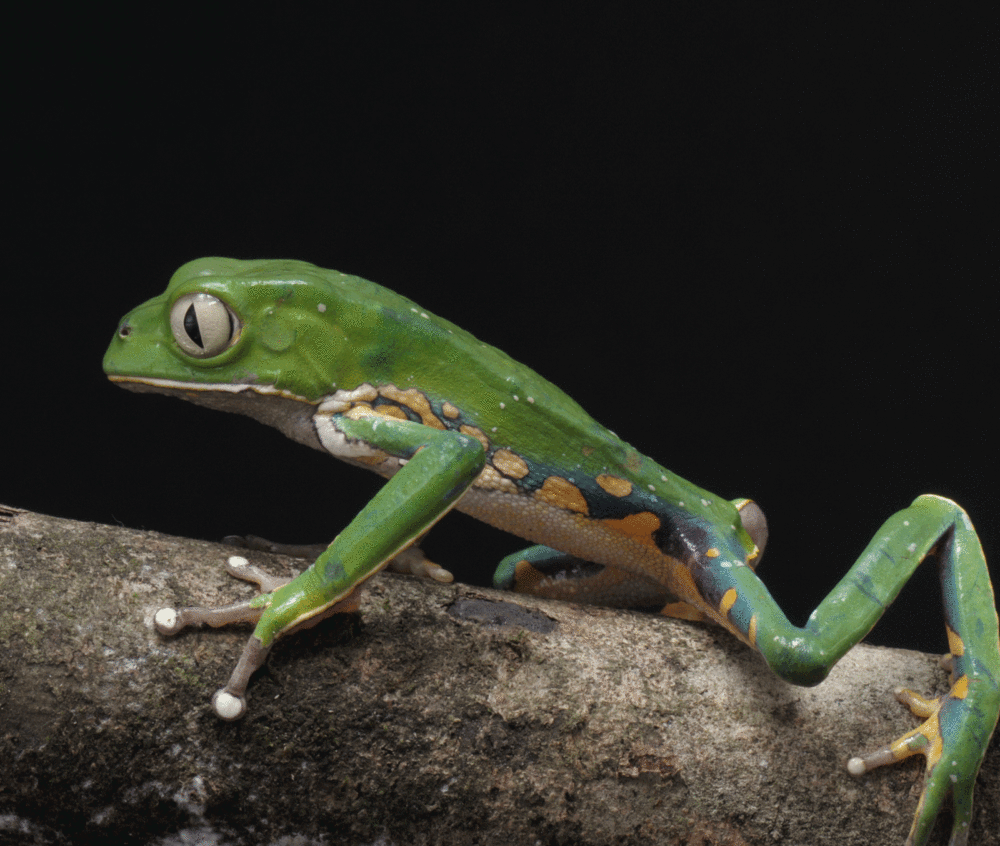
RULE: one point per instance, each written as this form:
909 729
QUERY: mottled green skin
307 333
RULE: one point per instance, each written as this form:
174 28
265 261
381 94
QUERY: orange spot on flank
563 494
639 527
393 411
614 485
477 433
414 400
510 464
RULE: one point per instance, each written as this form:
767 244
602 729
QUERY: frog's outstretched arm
435 469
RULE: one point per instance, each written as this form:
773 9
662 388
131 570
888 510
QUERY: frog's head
225 325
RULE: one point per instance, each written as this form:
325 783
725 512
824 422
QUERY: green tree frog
350 368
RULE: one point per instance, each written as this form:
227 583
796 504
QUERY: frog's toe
412 561
229 706
239 568
230 702
167 621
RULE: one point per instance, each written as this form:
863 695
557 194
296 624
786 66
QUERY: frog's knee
798 662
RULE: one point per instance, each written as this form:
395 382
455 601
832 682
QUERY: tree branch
446 714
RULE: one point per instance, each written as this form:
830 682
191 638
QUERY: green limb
957 726
439 467
432 469
805 655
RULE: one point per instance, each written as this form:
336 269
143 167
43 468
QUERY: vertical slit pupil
191 326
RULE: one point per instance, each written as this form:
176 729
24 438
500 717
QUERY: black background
752 241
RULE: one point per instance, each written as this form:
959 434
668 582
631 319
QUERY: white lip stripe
172 384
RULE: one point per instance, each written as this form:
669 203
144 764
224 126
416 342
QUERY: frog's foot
230 702
949 740
413 562
169 621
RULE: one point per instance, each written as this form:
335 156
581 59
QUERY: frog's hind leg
956 726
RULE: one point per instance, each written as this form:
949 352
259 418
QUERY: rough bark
444 714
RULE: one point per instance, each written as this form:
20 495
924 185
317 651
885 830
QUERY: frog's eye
203 325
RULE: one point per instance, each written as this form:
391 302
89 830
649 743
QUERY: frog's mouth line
152 384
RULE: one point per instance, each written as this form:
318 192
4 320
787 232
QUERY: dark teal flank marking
681 536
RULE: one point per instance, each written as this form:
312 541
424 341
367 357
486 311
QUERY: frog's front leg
435 468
